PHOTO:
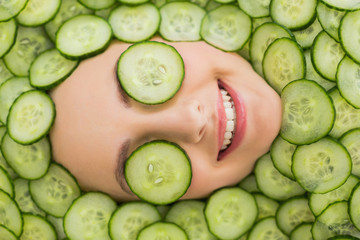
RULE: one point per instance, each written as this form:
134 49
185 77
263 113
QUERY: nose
184 122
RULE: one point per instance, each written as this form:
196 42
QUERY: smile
232 120
230 113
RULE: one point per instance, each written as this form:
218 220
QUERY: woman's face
97 126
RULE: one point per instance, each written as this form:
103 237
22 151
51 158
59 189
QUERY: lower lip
240 121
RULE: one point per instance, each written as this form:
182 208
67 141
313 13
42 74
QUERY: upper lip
240 121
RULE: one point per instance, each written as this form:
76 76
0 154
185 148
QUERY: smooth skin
95 122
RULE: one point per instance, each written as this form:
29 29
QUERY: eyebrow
124 98
120 165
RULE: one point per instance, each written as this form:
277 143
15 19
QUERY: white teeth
228 135
230 116
230 125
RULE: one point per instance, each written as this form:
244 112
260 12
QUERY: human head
96 122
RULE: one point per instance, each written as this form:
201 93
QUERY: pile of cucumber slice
306 187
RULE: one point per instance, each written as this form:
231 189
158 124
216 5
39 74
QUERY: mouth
231 120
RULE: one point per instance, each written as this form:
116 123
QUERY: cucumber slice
266 229
292 213
151 72
226 27
189 215
3 162
348 79
351 141
158 172
330 19
133 2
255 8
281 153
50 69
349 34
8 34
181 21
267 206
36 227
5 74
28 161
58 225
334 221
311 73
302 232
354 206
283 62
6 234
6 184
23 198
9 91
162 230
262 37
343 5
55 192
343 237
38 12
10 215
88 217
230 212
83 36
97 5
321 166
134 23
294 15
326 55
308 112
272 183
319 202
127 221
30 117
30 42
9 9
347 117
68 9
249 184
305 37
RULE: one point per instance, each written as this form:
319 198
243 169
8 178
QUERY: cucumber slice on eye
322 166
230 212
158 172
30 117
309 113
151 72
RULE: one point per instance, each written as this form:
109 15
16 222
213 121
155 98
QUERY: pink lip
240 121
